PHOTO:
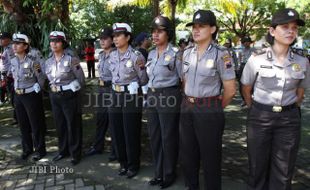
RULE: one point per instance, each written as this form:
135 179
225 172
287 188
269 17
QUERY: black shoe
131 173
75 161
122 171
155 181
38 156
58 157
92 151
166 183
25 155
112 158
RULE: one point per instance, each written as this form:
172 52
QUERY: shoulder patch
259 52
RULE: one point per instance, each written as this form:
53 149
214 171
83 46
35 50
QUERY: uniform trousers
272 141
31 121
66 107
125 115
103 121
163 111
201 129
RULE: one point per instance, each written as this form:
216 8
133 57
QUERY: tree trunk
173 4
156 11
65 12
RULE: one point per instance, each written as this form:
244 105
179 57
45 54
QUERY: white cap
121 27
20 38
57 35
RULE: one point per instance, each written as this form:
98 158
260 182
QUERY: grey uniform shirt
65 71
276 83
26 72
164 71
125 69
104 67
5 59
37 55
203 77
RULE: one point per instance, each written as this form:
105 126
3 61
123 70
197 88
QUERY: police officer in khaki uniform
128 74
206 68
28 80
66 78
104 94
278 77
164 98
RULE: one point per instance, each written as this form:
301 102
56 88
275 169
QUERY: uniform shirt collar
126 55
287 61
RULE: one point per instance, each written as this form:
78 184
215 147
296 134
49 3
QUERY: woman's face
121 40
56 45
106 42
160 37
202 32
19 47
285 33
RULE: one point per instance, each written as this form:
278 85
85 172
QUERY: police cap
121 27
4 35
20 38
203 17
106 33
161 22
285 16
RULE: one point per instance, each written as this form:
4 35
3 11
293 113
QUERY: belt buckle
54 88
101 83
277 108
153 89
19 91
117 88
191 100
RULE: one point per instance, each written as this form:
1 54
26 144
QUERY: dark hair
215 33
270 39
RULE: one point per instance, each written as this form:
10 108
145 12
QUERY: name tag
266 66
26 65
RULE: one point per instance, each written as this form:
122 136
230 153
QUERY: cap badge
197 16
290 13
129 63
296 67
157 21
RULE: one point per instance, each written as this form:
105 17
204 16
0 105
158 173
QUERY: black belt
164 88
205 100
276 109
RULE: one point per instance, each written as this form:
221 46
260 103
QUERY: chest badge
167 58
129 63
66 63
210 63
296 67
26 65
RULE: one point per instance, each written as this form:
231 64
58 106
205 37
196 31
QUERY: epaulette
189 47
259 51
219 47
101 52
12 56
31 57
175 49
136 52
298 52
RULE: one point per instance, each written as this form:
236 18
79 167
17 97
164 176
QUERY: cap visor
190 24
299 22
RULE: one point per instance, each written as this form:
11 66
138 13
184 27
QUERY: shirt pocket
65 69
267 79
293 79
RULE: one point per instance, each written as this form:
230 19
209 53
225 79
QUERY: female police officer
28 80
164 97
206 68
278 77
66 78
128 74
104 94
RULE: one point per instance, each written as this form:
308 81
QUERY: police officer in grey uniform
278 77
66 78
104 94
164 98
206 68
28 80
128 74
7 54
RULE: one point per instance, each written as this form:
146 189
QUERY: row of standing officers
192 122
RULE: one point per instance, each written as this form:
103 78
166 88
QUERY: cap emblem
157 21
290 13
197 16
